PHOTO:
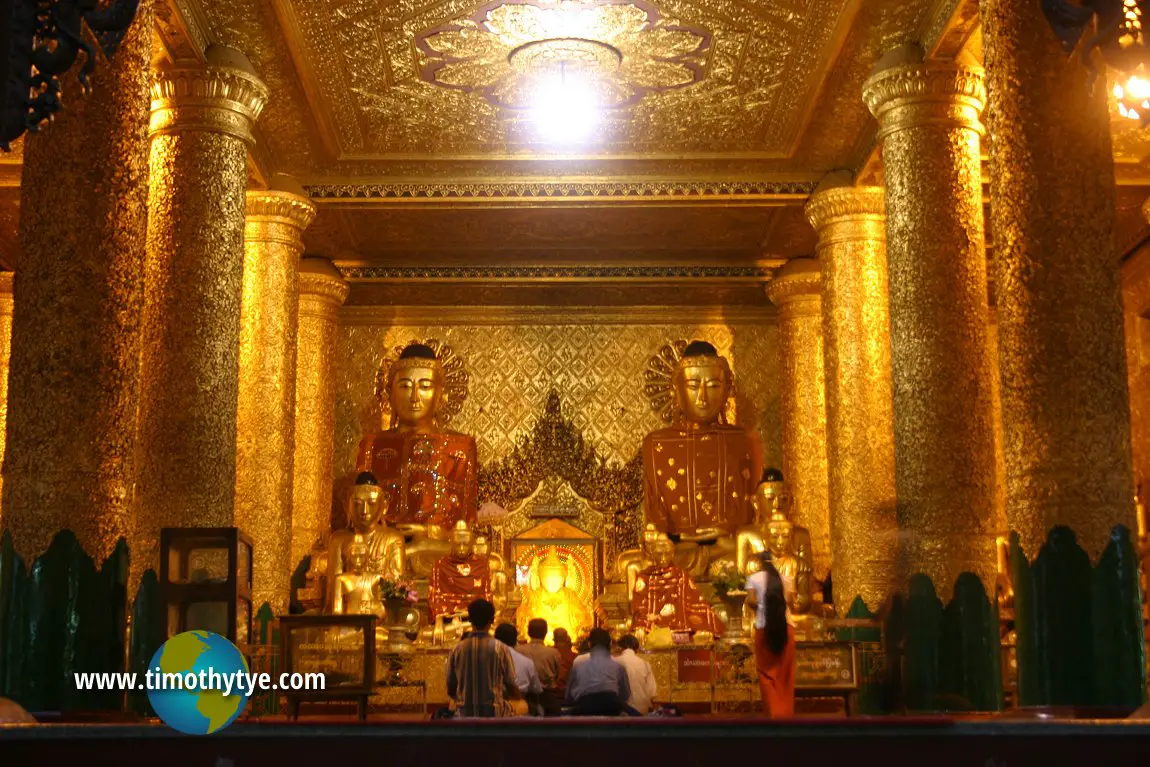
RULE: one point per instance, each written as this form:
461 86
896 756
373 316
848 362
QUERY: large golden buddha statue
382 545
699 473
429 473
549 596
666 597
459 578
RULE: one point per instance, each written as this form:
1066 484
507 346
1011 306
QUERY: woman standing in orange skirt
774 641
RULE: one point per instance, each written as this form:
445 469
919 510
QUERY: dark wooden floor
936 742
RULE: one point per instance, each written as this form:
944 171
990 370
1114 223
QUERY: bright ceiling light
566 108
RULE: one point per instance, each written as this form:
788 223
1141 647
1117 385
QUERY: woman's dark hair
776 604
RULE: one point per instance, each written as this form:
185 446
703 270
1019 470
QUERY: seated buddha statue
384 545
789 546
631 563
459 578
549 597
498 569
429 473
699 473
666 597
356 589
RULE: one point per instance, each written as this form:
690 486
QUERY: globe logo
205 696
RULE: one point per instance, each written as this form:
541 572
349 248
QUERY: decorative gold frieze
550 273
560 190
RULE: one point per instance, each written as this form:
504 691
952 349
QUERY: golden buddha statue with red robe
429 473
700 473
666 597
459 578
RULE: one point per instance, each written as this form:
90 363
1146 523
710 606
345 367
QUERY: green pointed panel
61 617
147 635
1079 627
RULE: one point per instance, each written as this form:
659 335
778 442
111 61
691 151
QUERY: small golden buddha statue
498 569
788 545
429 473
356 589
549 596
631 563
366 515
459 578
665 597
699 473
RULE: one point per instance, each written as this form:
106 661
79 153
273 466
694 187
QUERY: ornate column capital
844 213
905 92
796 289
277 216
320 279
225 96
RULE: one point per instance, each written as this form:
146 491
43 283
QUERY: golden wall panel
597 370
6 304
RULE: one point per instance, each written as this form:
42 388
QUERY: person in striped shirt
480 670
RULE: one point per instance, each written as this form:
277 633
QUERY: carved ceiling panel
413 77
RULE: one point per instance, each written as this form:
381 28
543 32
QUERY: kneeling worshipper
598 684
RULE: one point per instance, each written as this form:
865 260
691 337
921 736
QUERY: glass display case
340 647
206 581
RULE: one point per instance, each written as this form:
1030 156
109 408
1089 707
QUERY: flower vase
400 618
736 629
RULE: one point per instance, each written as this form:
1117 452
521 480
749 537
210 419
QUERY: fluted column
6 305
201 127
929 125
1065 395
70 459
265 428
795 291
322 290
851 226
929 118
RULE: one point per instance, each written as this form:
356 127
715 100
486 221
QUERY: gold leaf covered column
322 290
201 127
1065 397
851 226
265 448
70 458
1065 393
6 305
795 290
929 123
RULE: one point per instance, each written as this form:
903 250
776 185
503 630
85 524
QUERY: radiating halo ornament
455 379
659 383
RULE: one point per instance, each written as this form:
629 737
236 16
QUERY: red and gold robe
429 478
457 582
700 478
666 596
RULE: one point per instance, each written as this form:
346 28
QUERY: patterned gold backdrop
597 371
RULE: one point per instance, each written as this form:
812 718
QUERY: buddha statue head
367 503
356 557
771 495
552 573
462 541
415 388
651 536
663 551
481 547
702 384
780 535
